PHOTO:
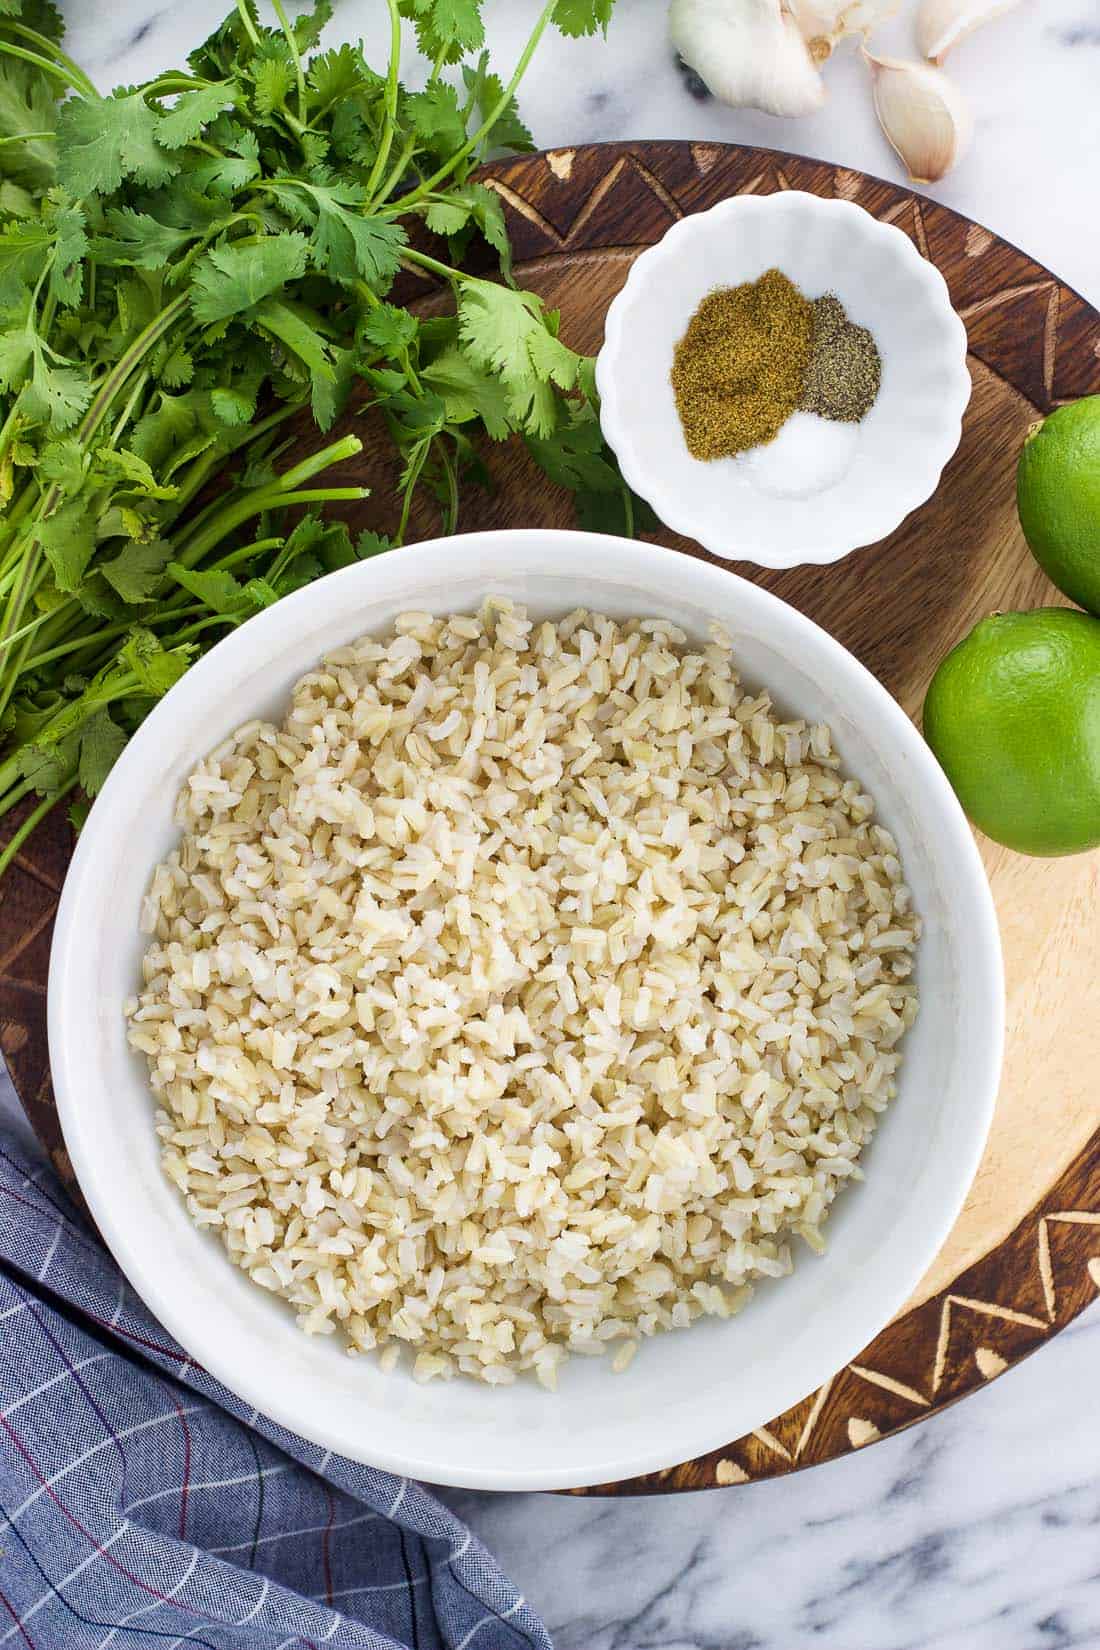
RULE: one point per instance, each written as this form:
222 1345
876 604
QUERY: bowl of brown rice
526 1010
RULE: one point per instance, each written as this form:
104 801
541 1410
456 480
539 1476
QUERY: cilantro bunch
188 264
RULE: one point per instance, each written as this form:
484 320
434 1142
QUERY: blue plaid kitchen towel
141 1505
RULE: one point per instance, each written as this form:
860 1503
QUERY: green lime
1058 497
1013 714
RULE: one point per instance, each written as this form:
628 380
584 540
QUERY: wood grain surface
1024 1257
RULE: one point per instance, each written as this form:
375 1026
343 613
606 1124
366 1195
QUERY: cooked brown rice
527 991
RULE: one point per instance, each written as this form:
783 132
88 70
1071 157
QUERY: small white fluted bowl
687 1392
884 284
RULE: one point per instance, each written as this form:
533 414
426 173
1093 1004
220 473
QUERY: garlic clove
941 24
923 114
749 53
824 23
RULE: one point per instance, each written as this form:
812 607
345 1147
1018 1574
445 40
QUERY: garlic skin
749 53
824 23
941 24
923 114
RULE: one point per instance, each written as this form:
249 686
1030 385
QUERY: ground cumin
738 372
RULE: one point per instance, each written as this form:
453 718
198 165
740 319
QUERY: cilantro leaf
97 598
473 204
437 118
105 139
336 75
583 16
372 544
622 513
175 368
40 15
447 217
272 78
102 742
308 27
507 333
131 474
16 355
220 591
156 668
138 240
445 29
574 456
329 390
23 246
294 328
224 175
47 767
229 279
137 571
486 91
62 464
390 329
70 245
468 392
56 394
351 247
27 105
261 594
67 538
192 111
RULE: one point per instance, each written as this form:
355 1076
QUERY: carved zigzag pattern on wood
907 213
989 1363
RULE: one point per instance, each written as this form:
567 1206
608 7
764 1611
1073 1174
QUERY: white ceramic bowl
686 1392
884 284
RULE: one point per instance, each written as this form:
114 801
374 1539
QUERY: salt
808 455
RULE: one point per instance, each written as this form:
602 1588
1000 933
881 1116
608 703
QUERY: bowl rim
674 509
258 641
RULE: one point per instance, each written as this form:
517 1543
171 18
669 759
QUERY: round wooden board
1024 1257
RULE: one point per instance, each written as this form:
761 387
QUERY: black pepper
845 368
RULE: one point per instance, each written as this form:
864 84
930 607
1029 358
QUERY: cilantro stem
76 645
114 380
50 68
399 169
450 520
491 118
412 476
246 19
50 47
292 42
29 137
392 72
347 447
26 630
127 412
424 260
32 821
254 504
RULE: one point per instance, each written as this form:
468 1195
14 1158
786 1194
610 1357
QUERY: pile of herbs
187 264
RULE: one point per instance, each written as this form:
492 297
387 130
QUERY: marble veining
979 1529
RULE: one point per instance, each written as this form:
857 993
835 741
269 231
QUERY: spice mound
740 369
845 370
755 354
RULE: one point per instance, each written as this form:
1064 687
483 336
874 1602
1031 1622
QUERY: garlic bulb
824 23
922 113
750 53
941 24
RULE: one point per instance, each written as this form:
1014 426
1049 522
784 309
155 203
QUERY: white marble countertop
977 1529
